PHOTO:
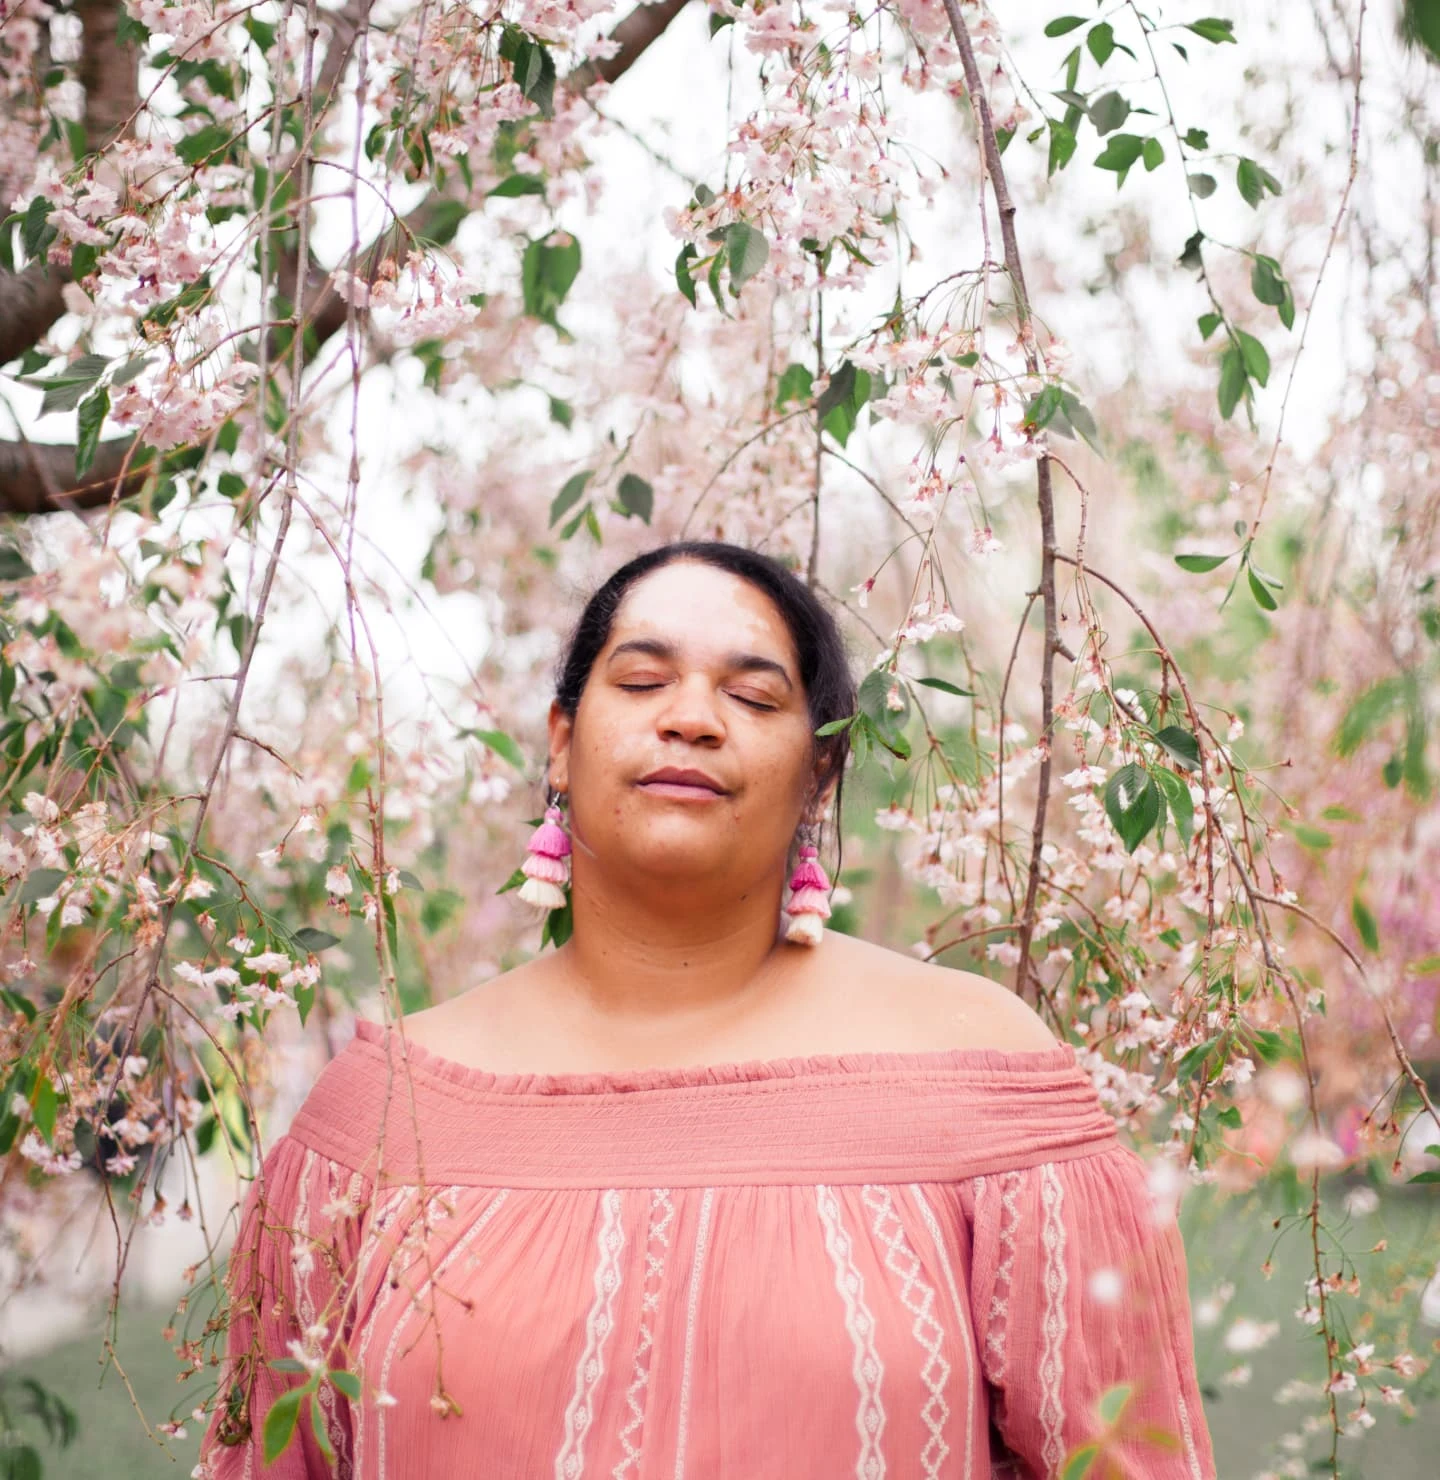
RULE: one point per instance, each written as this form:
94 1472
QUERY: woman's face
690 756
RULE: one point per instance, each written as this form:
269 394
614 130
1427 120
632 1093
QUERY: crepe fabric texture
913 1265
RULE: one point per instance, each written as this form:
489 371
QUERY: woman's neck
641 961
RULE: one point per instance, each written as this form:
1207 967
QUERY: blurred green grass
1227 1241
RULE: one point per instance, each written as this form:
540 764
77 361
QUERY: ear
561 728
821 797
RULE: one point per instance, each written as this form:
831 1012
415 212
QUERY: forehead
699 608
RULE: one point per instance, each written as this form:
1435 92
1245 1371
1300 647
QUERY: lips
682 782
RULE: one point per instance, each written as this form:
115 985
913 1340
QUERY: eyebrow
657 647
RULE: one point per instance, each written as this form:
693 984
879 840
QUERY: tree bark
39 477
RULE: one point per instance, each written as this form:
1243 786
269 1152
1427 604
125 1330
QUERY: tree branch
1044 489
39 477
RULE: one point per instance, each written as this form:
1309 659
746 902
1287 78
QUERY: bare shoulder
935 1006
471 1026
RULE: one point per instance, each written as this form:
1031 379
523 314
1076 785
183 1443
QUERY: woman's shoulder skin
914 1005
847 996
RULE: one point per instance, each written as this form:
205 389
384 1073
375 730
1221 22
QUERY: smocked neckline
977 1063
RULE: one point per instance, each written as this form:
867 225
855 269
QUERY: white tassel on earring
809 905
545 868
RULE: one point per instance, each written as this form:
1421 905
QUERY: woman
691 1195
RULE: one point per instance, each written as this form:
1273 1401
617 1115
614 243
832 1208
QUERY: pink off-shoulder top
936 1264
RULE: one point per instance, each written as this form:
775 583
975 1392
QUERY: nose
690 713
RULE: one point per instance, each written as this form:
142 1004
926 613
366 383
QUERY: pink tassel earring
546 867
809 904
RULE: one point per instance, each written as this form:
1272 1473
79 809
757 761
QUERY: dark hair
824 669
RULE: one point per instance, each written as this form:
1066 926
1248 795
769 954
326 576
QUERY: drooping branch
1044 491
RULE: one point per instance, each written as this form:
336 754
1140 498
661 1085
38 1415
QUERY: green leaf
1341 814
1064 24
1108 112
1233 381
547 270
559 926
130 370
1311 837
280 1423
1201 185
946 687
1081 1462
1213 30
1366 712
842 399
1230 1118
562 412
1267 282
719 22
442 221
1062 145
1182 808
570 494
886 725
322 1438
1200 563
1101 42
36 232
1153 154
746 251
1197 138
1286 308
93 411
347 1383
1260 591
683 280
308 938
516 879
1257 361
65 391
46 1103
519 184
834 726
636 497
1181 745
1112 1403
1253 180
501 744
1120 152
796 384
1190 256
1209 323
1132 802
83 257
1365 925
204 143
24 1463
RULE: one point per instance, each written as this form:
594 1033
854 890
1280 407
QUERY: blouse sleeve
1082 1314
285 1298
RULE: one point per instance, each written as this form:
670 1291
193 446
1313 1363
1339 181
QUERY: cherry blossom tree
1078 360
